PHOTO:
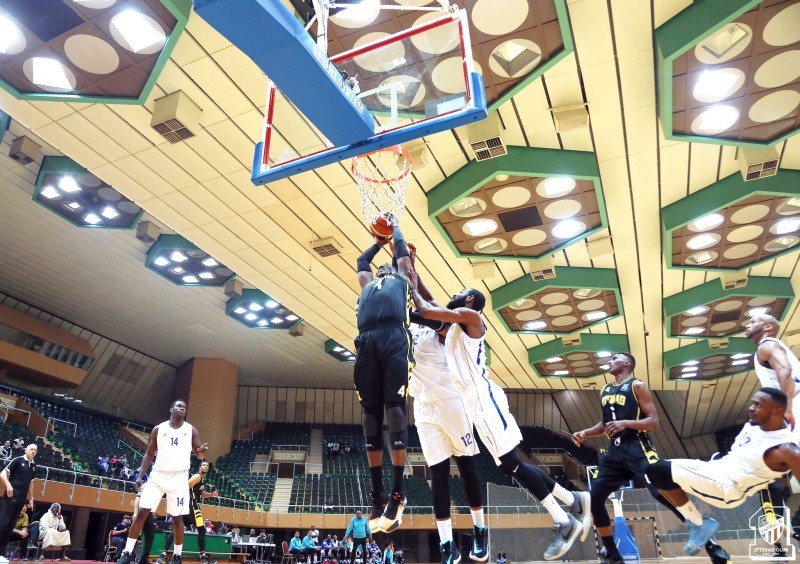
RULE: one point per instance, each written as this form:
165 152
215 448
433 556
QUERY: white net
382 177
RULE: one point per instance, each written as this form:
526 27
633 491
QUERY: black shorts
384 357
625 462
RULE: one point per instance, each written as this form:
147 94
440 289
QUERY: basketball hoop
382 177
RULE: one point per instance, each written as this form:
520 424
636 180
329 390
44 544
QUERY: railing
121 443
6 408
74 425
131 425
289 447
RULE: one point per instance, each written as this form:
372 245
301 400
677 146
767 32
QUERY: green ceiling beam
590 343
711 291
703 349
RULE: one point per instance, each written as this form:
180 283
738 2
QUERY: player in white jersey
174 441
765 450
487 407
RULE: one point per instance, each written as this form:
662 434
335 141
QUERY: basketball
381 226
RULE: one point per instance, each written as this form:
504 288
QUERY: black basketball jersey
384 301
196 491
619 402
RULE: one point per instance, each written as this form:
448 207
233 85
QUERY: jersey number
467 439
179 502
174 441
402 391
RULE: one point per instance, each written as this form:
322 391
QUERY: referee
17 478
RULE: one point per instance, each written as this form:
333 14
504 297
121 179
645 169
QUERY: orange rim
397 150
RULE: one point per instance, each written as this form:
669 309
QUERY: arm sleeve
364 261
400 247
434 324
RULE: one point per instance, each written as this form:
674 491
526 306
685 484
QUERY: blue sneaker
699 535
480 548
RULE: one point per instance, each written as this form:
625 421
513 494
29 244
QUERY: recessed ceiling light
109 213
702 257
138 30
480 227
74 206
702 241
568 228
9 34
78 401
689 375
756 311
209 262
206 275
262 323
256 306
251 317
786 226
365 11
691 363
161 261
534 325
584 293
49 73
190 279
554 187
716 85
338 349
553 359
716 120
276 320
178 256
49 192
603 354
240 310
560 372
693 331
177 270
92 218
741 355
740 362
604 366
690 369
68 184
271 304
594 315
709 221
292 317
59 394
501 177
696 310
467 207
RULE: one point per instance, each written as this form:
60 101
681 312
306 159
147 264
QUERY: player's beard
458 301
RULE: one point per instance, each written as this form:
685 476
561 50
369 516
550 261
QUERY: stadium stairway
282 496
314 462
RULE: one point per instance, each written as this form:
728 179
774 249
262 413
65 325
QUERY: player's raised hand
578 438
412 251
201 450
790 418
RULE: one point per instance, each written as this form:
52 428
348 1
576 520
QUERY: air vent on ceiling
733 280
147 232
297 330
718 343
483 269
326 247
758 162
486 138
570 118
176 117
571 340
542 269
23 150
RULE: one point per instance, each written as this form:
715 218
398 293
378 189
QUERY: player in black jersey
197 493
629 415
384 357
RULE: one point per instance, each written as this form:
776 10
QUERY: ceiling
201 189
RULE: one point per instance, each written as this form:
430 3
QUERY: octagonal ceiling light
71 191
524 205
257 310
585 359
733 224
725 71
577 298
337 351
98 51
185 264
711 311
710 360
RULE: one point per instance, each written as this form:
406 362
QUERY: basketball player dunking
384 356
764 451
174 440
486 407
629 415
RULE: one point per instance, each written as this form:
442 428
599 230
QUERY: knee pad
398 425
372 422
510 462
440 488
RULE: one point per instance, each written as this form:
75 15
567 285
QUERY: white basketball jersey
174 447
744 464
430 378
466 359
768 377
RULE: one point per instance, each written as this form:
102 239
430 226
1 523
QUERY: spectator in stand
347 448
328 504
262 537
501 557
6 450
329 448
53 531
209 526
77 467
358 530
119 534
102 464
19 443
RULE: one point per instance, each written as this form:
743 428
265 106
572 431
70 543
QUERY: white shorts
705 481
444 429
497 428
175 485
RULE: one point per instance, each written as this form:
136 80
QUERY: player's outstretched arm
650 420
404 264
773 355
594 431
198 447
193 480
469 318
363 264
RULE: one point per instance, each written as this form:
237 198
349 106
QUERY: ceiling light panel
575 299
514 216
337 351
252 310
701 361
69 190
184 263
590 358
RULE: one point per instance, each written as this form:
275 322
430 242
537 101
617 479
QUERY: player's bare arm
648 423
198 447
468 318
772 354
194 480
594 431
149 455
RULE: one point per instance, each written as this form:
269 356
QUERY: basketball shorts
705 481
175 485
487 406
625 461
384 358
444 429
